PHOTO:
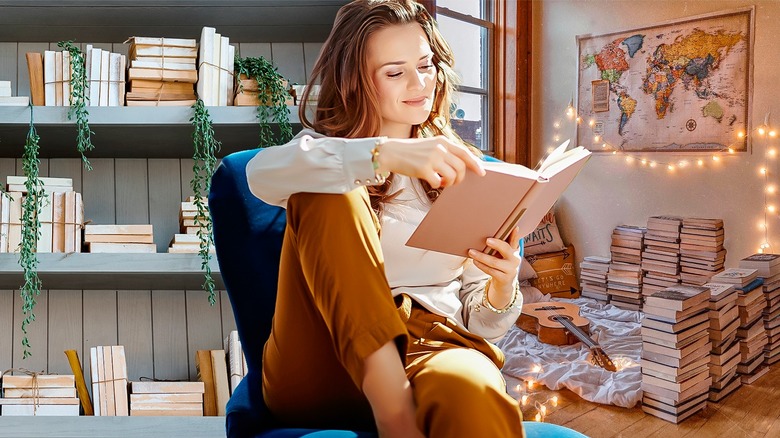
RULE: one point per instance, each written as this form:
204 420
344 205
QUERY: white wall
610 192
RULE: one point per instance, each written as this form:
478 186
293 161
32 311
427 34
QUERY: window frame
508 77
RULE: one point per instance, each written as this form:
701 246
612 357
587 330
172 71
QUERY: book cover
509 195
206 375
35 71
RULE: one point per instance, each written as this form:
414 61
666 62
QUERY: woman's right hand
438 160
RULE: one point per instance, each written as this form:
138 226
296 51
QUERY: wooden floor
751 411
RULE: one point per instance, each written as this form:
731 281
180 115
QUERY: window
467 26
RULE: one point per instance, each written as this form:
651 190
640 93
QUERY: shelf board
113 21
160 271
129 132
113 427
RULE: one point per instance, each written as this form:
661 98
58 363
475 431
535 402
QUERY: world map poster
679 86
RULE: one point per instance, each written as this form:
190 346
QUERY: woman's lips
418 101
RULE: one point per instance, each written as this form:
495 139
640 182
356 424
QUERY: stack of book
212 373
188 240
624 285
593 277
661 254
676 352
627 244
176 399
215 68
120 238
162 71
724 356
61 215
188 215
701 250
8 99
751 333
768 266
105 77
109 380
39 395
235 360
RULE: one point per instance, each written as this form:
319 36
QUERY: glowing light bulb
530 384
770 208
770 189
772 152
761 225
557 138
629 159
644 161
596 139
682 164
652 164
538 417
554 400
773 133
731 151
700 163
715 158
762 171
570 111
556 125
761 130
670 167
591 123
614 152
524 400
741 134
537 368
604 145
579 120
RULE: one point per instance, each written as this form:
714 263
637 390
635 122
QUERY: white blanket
618 333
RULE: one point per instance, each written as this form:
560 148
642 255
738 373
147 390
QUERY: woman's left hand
502 267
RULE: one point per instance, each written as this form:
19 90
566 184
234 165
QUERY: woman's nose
417 81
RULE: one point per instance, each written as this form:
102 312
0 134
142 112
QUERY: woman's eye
393 75
426 67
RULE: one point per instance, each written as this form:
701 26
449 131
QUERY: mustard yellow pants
334 308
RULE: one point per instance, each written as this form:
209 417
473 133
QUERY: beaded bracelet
486 300
379 177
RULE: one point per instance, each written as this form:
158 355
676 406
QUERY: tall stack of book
751 333
188 241
120 238
176 399
593 277
8 99
215 68
676 352
624 279
768 267
162 71
105 76
109 380
235 360
61 216
701 250
724 356
661 254
39 395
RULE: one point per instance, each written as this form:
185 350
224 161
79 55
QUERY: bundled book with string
507 196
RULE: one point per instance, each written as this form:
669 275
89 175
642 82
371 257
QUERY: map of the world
682 86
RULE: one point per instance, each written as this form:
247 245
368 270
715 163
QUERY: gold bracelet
379 178
486 300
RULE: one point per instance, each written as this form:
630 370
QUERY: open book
509 195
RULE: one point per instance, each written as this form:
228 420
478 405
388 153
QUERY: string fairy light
764 133
530 398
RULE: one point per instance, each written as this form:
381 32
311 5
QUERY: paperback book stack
162 71
215 68
8 99
236 363
120 238
50 80
661 254
676 352
750 333
39 395
724 356
627 244
701 250
175 399
593 277
768 267
213 375
109 380
624 285
188 241
61 215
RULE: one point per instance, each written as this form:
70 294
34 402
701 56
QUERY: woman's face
400 61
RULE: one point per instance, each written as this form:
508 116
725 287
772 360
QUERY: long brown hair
347 105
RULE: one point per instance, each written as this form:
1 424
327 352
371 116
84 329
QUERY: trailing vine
272 97
78 101
31 209
205 161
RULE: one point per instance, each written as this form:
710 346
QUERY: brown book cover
206 375
35 71
509 195
81 384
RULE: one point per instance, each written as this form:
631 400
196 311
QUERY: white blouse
447 285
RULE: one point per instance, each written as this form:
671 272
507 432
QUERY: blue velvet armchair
248 240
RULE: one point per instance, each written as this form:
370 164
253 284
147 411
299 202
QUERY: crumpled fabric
616 330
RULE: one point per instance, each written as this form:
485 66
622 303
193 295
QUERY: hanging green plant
205 162
31 225
78 101
272 98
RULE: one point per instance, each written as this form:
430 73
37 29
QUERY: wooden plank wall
160 329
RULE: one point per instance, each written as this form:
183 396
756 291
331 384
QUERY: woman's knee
460 377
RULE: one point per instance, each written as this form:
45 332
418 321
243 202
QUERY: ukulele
558 323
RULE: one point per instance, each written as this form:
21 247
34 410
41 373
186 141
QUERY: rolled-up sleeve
310 163
479 319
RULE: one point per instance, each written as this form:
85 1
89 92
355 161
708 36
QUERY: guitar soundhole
557 318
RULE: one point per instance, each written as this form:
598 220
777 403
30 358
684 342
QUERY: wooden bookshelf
130 132
104 271
113 427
